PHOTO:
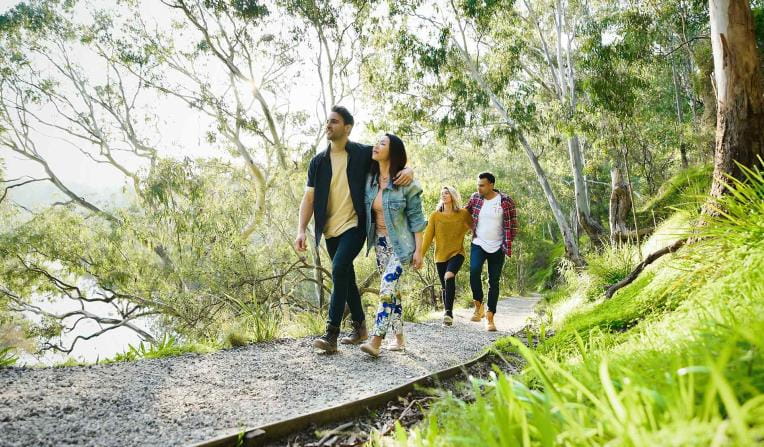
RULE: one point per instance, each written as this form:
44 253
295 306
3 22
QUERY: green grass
7 357
256 322
675 358
686 190
415 311
69 362
168 346
544 265
306 324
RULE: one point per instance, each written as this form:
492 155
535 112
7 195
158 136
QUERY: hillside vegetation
675 358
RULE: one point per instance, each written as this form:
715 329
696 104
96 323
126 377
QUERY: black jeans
449 285
343 249
478 256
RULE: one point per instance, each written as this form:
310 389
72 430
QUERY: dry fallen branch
641 266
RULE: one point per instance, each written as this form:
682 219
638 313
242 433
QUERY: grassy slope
673 359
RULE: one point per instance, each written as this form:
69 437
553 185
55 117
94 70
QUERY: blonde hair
456 199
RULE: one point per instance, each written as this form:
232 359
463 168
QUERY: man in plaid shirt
494 226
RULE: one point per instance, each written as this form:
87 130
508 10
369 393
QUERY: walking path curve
186 399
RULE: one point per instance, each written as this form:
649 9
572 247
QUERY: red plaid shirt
510 218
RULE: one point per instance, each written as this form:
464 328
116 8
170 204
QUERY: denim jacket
402 206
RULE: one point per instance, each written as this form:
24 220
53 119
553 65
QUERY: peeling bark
740 103
620 205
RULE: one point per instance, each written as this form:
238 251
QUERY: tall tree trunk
679 119
740 105
620 205
568 237
583 210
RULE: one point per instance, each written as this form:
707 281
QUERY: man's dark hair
398 158
488 176
347 117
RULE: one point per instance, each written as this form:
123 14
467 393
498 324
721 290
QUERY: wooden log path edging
256 436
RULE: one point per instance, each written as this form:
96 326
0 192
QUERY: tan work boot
479 312
489 322
373 346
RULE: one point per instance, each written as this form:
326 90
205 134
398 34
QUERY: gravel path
180 400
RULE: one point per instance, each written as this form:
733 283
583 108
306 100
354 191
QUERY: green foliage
675 358
235 338
34 17
175 252
607 265
259 322
539 260
686 190
415 311
305 324
168 346
7 357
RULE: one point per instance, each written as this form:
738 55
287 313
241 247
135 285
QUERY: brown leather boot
489 322
357 335
328 341
479 312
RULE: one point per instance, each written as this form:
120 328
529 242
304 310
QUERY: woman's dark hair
347 117
398 158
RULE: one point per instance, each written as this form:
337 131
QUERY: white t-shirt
489 233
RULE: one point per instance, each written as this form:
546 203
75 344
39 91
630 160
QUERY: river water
102 347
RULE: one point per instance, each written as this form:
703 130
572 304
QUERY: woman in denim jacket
394 223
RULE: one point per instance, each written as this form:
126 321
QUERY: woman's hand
416 261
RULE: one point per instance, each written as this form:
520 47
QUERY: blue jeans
478 257
343 249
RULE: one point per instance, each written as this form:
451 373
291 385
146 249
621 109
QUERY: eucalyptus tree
225 61
39 75
739 92
452 65
550 60
174 250
337 33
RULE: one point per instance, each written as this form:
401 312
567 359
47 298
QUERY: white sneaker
447 320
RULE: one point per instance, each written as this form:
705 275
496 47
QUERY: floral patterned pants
390 312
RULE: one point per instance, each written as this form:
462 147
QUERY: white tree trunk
740 105
583 209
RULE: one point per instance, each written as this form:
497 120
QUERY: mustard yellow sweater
448 230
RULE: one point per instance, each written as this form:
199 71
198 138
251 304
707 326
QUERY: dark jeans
449 285
343 249
478 256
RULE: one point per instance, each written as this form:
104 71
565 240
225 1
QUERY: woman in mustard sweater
448 225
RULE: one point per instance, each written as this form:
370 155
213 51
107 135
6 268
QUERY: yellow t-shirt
448 230
340 213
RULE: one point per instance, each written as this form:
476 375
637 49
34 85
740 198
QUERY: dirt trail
179 400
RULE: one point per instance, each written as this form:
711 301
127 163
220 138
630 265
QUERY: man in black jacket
335 196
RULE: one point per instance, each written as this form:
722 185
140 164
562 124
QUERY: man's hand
416 261
299 243
404 177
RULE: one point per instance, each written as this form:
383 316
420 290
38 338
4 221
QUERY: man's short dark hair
347 117
488 176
